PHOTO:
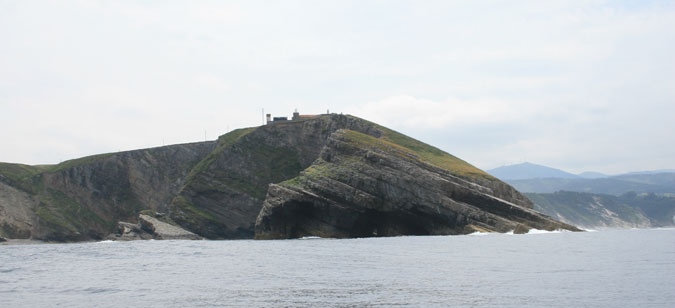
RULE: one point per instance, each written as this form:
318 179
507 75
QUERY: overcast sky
576 85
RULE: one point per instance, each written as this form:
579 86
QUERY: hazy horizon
580 86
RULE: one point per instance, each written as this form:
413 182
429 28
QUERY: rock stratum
363 186
330 176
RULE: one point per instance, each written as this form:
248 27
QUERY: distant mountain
660 183
588 210
650 172
592 175
529 171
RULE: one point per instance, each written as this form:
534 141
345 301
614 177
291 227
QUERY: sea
612 268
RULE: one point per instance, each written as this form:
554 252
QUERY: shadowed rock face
84 199
361 187
222 198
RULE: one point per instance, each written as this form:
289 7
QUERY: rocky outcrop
362 186
127 231
17 212
224 194
165 231
84 199
149 227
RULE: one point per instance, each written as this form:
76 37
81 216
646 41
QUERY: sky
576 85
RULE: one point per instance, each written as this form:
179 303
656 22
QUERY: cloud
584 84
418 113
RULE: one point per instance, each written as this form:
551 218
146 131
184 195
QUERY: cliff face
224 193
363 186
84 199
331 175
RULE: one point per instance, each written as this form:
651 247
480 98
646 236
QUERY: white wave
309 238
106 241
537 231
480 233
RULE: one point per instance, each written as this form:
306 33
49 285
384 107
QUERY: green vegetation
266 164
187 207
77 162
394 143
23 177
431 154
590 209
661 184
66 214
224 141
148 212
424 152
20 172
319 168
660 209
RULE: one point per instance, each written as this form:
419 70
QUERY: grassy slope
77 162
397 144
424 152
433 155
28 178
224 141
20 172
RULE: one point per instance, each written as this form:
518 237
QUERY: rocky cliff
84 199
332 175
223 195
364 186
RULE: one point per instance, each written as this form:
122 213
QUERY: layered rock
149 227
84 199
362 186
225 192
359 178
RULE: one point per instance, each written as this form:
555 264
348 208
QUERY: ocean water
618 268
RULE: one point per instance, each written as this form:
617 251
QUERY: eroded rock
363 187
149 227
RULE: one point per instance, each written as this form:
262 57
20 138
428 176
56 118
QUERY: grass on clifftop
19 172
394 143
424 152
77 162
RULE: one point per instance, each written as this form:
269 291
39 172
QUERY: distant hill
588 210
650 172
529 171
660 183
592 175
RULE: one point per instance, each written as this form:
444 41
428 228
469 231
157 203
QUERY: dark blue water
622 268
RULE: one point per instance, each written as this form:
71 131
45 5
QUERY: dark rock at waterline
149 227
